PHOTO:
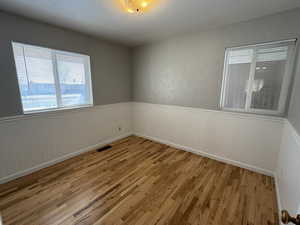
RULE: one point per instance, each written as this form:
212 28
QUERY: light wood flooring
140 182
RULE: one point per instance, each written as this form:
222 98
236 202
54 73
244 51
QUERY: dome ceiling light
137 6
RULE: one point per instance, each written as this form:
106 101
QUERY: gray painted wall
110 62
187 70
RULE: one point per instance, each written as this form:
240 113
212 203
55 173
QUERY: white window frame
284 86
88 77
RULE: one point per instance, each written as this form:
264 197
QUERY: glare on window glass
71 72
52 79
257 77
269 72
36 80
239 65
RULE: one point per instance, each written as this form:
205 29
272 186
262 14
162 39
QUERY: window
256 78
50 79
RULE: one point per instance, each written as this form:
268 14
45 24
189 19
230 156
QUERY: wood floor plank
138 182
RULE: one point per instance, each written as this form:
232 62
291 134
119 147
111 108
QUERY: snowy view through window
50 79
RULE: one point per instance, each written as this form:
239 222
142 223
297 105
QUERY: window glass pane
73 85
257 77
238 70
35 74
269 72
51 79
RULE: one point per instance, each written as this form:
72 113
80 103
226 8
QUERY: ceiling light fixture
136 6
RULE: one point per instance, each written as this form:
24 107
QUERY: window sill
256 112
55 110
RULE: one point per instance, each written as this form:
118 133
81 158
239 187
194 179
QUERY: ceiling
103 18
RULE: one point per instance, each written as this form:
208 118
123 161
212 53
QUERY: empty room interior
149 112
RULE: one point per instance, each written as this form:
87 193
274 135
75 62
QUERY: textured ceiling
104 19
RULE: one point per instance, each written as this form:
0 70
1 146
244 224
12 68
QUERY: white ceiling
104 19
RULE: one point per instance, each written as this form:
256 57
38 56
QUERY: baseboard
60 159
278 198
208 155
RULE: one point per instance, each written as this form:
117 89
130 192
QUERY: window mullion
87 77
26 69
286 80
250 82
56 80
225 79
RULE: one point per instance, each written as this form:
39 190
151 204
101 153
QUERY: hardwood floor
140 182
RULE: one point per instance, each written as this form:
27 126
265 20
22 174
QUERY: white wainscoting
29 143
244 140
288 171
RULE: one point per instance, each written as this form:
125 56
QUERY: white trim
88 80
34 112
224 80
51 113
56 83
58 94
295 135
287 78
60 159
208 155
233 114
255 111
284 86
263 43
50 49
279 206
250 81
90 107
